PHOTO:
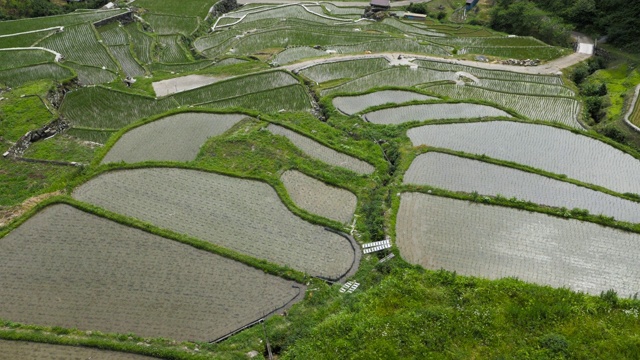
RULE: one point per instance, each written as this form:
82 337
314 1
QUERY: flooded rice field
242 215
173 138
316 150
495 242
64 267
353 104
460 174
318 198
402 114
544 147
23 350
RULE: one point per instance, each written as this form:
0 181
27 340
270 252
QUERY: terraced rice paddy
97 107
20 76
318 198
459 174
490 74
10 59
242 215
396 76
354 104
89 75
77 17
539 146
128 63
183 83
67 268
547 108
175 138
321 152
402 114
494 242
10 350
169 49
344 69
79 44
297 53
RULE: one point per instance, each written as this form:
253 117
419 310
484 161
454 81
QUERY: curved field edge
594 176
239 214
273 269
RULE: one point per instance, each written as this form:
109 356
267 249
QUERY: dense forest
551 20
16 9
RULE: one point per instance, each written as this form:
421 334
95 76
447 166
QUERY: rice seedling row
288 98
350 69
242 215
41 351
547 108
79 43
183 8
236 87
89 75
460 174
354 104
169 25
183 83
297 53
19 76
142 43
490 74
407 28
169 50
318 198
24 40
521 87
78 17
391 45
180 68
529 52
97 107
495 242
252 43
500 41
175 138
76 270
402 114
290 11
401 76
20 58
113 34
129 65
543 147
318 151
339 10
214 40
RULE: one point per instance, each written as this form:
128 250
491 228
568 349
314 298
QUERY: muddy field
242 215
402 114
353 104
318 198
22 350
494 242
543 147
460 174
321 152
183 83
67 268
173 138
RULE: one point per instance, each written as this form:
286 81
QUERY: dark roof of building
380 3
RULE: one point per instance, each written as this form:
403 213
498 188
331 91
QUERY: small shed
414 16
377 5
